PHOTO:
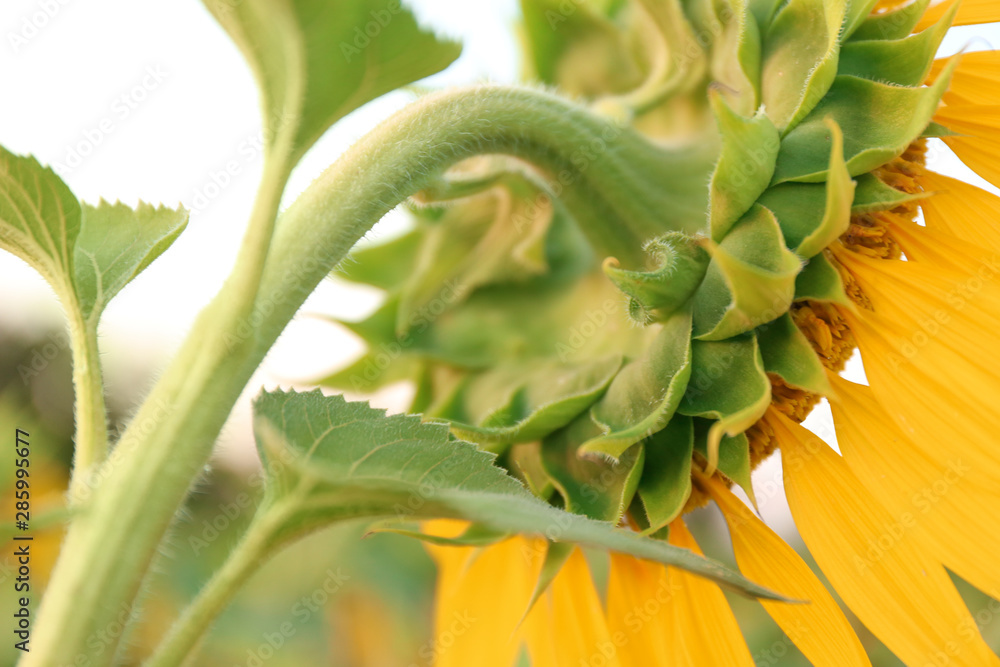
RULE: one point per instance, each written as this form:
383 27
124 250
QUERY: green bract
593 358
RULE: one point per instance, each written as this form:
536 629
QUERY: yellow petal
923 244
925 351
970 12
961 210
897 590
704 631
480 598
941 503
819 629
567 627
640 610
975 81
980 144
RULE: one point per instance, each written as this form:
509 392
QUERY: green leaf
86 253
820 281
665 485
858 12
473 536
749 151
895 24
787 353
800 58
525 461
317 61
328 460
734 455
116 243
577 47
728 383
39 219
904 62
871 194
736 57
521 403
763 11
601 489
644 395
814 216
385 265
878 120
750 281
839 197
680 265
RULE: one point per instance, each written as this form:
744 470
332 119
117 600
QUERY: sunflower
638 374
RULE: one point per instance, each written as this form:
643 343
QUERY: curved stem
91 447
615 182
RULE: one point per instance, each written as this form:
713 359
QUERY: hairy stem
91 447
618 185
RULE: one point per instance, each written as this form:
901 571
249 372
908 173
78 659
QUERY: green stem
91 447
618 184
252 551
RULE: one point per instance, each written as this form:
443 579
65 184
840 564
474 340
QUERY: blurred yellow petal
979 145
705 630
961 210
819 628
925 352
481 596
897 590
970 12
941 501
567 627
976 81
640 607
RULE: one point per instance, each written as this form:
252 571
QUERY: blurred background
181 104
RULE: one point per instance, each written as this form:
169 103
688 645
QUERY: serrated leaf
644 395
328 460
729 384
317 61
39 219
599 488
895 24
749 151
800 58
116 243
788 354
750 281
86 253
734 455
820 281
903 62
665 485
878 120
